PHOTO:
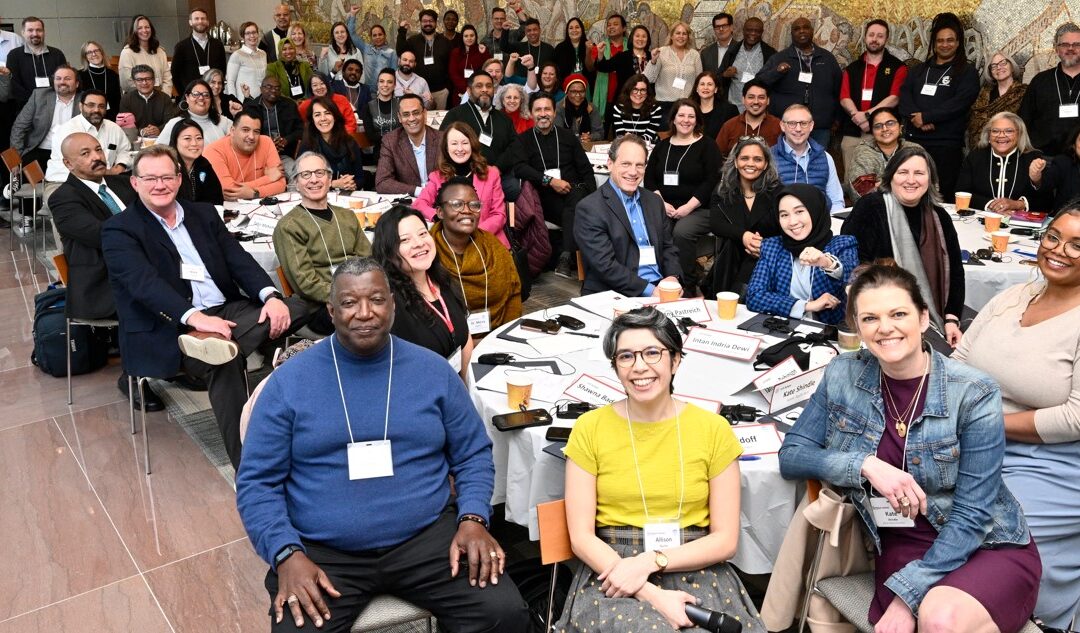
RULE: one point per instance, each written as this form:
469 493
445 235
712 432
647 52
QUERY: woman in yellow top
652 496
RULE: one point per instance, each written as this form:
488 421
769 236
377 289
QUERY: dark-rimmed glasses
651 356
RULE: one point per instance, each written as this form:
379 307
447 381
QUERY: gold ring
904 502
292 599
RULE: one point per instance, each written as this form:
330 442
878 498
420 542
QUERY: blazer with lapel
79 214
607 244
397 171
151 297
35 119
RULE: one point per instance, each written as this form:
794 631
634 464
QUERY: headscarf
817 205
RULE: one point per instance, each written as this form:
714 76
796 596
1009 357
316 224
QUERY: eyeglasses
308 174
1002 64
885 124
798 124
1002 132
651 356
457 206
639 91
271 87
199 95
721 26
159 180
140 80
93 51
1050 242
1068 44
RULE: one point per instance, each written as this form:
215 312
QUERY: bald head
282 16
84 157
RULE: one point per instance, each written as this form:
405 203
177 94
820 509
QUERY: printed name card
694 309
262 225
726 344
781 371
795 389
758 439
594 391
712 406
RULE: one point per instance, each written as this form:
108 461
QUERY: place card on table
694 309
725 344
781 371
795 389
758 439
261 224
594 391
712 406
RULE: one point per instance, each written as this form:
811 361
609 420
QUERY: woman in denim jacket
916 442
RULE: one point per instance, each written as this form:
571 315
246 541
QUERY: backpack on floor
89 345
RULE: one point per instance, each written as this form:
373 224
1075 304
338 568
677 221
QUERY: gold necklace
899 420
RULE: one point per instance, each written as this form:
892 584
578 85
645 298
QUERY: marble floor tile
123 607
16 334
29 394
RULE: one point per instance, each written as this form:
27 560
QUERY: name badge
203 70
368 460
885 516
479 322
455 360
661 536
929 89
296 90
468 72
806 77
499 56
747 77
485 139
191 272
554 172
678 83
868 94
429 60
671 178
577 66
647 256
41 82
1068 111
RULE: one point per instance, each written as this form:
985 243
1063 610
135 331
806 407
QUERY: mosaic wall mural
1022 29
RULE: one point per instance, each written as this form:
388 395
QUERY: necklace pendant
901 428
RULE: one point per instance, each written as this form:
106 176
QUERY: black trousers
225 383
417 571
948 161
559 209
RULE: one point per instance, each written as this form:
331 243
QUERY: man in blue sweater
344 484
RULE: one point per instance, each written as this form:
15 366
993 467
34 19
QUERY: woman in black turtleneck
97 76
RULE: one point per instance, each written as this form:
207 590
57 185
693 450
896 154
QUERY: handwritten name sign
795 389
758 439
781 371
594 391
726 344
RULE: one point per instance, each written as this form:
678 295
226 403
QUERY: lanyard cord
44 67
678 165
341 390
241 167
637 469
344 251
198 62
558 157
458 268
939 79
479 123
445 314
1057 86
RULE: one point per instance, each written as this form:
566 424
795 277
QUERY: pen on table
749 458
583 334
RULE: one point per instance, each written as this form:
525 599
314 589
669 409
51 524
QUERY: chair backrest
554 535
813 489
33 172
11 158
61 267
286 288
362 140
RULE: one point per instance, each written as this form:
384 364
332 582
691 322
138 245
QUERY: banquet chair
60 261
33 189
554 546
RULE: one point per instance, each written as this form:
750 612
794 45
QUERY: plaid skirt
588 610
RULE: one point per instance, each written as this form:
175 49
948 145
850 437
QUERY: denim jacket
954 452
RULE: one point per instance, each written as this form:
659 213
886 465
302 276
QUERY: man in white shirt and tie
92 121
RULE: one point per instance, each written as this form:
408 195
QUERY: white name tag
726 344
41 82
296 90
429 61
455 360
468 72
191 272
758 439
554 172
661 536
747 77
885 516
498 56
806 77
479 322
368 460
203 70
647 256
868 94
1068 111
594 391
485 139
678 83
929 89
795 390
671 179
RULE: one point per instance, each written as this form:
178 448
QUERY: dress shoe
210 348
565 268
153 402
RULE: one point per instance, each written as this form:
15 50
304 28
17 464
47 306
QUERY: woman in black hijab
802 272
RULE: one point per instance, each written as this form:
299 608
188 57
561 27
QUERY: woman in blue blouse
803 271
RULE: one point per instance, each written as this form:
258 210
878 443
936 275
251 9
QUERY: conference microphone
712 621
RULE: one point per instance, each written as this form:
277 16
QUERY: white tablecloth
526 476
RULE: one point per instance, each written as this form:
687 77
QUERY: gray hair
140 69
1023 141
310 154
1014 69
904 154
629 137
154 151
731 186
647 318
523 109
209 75
356 266
1064 29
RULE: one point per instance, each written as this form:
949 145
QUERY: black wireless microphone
712 621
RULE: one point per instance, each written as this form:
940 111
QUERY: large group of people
723 169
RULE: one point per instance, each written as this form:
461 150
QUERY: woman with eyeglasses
142 47
198 181
915 441
904 221
324 133
247 65
998 172
576 114
636 111
870 156
630 62
479 263
652 496
199 107
319 86
1002 91
96 75
460 156
226 104
715 108
428 307
742 213
510 99
1026 340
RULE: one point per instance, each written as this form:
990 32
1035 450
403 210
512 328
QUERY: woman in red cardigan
464 61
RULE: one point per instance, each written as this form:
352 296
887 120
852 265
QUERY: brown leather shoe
208 347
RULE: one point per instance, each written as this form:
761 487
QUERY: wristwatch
274 295
660 560
546 180
285 553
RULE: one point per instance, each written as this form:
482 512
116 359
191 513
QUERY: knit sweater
156 111
159 61
293 483
669 70
309 246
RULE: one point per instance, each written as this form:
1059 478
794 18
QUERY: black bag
89 345
774 354
521 261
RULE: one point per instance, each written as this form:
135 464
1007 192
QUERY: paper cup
148 141
357 203
847 339
992 222
1000 240
371 217
727 303
518 392
963 200
669 290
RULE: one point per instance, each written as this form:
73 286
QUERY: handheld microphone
712 621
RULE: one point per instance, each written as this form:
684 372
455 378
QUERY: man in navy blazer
620 229
176 272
